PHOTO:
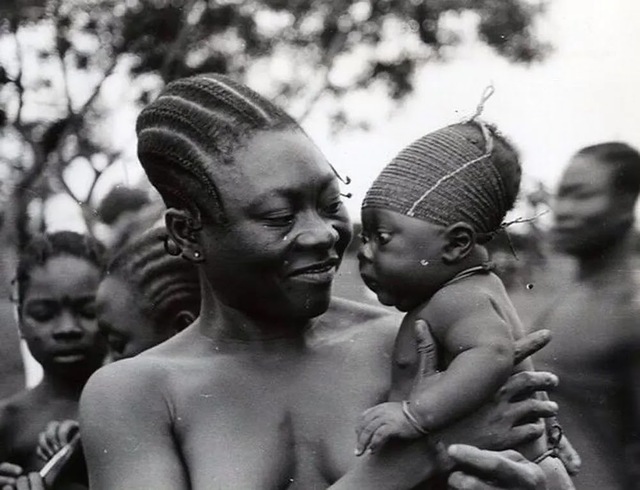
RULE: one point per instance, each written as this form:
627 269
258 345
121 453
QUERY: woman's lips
320 272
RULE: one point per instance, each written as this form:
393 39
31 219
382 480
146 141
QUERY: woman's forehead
275 163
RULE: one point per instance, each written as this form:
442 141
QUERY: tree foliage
56 55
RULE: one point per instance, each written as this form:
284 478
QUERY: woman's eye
364 238
333 208
279 220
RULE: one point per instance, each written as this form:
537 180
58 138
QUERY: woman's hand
506 420
477 469
55 437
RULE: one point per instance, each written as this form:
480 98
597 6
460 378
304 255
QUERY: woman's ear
460 238
182 320
183 229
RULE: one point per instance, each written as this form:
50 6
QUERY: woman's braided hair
165 284
192 129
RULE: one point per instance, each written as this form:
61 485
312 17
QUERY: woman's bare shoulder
359 324
352 314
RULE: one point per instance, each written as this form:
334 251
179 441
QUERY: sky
585 92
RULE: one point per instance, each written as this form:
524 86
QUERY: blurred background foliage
56 55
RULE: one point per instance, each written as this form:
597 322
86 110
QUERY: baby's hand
379 424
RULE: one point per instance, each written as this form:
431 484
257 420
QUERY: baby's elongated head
465 172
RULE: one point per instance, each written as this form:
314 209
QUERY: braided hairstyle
44 247
192 130
165 284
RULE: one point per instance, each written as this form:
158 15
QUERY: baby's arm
469 329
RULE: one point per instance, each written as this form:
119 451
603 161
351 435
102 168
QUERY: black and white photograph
311 244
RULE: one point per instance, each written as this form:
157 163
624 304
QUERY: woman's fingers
506 469
524 384
427 358
569 456
461 481
530 344
532 409
523 434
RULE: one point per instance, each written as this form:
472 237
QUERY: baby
424 222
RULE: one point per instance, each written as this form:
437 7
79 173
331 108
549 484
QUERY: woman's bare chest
291 426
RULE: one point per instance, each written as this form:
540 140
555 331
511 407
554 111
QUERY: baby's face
401 258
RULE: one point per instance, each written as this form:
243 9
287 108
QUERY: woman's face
287 231
57 317
122 321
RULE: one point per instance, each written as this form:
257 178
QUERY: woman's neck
605 261
223 323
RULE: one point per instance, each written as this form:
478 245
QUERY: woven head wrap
444 178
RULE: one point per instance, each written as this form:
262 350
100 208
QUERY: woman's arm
126 431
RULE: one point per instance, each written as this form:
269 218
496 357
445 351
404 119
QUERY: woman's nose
317 234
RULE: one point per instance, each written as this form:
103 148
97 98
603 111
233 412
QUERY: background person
145 297
57 278
596 320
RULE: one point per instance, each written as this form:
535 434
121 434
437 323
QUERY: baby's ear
460 238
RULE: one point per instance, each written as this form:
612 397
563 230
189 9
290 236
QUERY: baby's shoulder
461 299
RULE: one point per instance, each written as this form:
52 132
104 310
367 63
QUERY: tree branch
61 58
178 44
336 46
18 83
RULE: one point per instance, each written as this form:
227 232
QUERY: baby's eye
383 237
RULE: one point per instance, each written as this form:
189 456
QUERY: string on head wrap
166 284
192 130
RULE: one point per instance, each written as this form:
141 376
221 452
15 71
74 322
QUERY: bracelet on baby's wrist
412 419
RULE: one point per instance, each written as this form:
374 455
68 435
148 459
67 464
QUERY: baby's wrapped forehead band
488 138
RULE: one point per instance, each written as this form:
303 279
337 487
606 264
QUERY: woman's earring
196 255
170 246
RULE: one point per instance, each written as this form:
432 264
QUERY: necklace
485 267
